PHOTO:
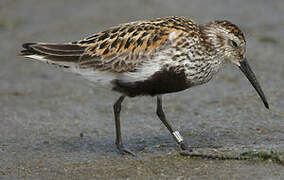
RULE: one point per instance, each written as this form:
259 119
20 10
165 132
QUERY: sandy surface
43 110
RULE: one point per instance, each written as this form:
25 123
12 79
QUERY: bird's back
154 52
117 49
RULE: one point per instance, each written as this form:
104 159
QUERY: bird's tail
63 55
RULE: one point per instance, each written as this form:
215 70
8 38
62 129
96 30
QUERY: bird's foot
185 150
124 151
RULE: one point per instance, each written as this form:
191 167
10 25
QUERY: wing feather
120 49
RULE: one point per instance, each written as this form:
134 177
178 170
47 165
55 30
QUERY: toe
185 153
124 151
184 147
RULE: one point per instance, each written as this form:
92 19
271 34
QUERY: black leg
163 118
118 142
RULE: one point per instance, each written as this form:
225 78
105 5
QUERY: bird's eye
234 44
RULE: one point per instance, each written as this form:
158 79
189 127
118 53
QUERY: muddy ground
43 110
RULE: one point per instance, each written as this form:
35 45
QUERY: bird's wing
119 49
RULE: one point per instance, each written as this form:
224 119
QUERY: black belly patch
161 82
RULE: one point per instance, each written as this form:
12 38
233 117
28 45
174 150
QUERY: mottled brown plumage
126 45
120 48
138 36
151 57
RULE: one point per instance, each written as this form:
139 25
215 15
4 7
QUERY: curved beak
245 68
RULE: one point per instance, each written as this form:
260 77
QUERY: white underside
98 77
144 72
105 78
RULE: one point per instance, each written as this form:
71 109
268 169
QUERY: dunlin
151 58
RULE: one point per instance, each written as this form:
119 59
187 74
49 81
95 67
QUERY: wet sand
43 110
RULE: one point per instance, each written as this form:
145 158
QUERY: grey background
43 110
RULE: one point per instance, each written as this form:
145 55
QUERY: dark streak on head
232 28
221 39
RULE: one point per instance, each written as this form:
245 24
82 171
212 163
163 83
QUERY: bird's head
230 41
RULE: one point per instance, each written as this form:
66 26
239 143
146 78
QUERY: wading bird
151 58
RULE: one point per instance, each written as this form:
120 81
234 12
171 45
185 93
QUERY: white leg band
178 137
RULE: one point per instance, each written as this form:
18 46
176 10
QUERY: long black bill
251 77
